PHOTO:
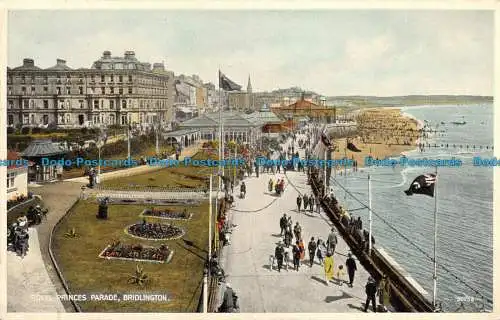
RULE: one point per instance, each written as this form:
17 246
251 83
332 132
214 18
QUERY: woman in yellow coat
328 267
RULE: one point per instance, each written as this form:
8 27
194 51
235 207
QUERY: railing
152 189
404 297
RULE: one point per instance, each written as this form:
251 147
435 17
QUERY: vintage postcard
253 161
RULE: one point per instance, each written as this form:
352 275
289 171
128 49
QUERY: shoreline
383 118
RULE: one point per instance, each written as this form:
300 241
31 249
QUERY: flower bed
166 214
154 231
138 253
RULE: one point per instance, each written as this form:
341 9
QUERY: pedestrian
331 242
299 202
311 203
279 253
341 275
296 256
283 221
302 249
359 224
289 222
305 200
297 230
232 185
371 291
328 267
320 251
384 293
228 300
311 247
351 268
318 205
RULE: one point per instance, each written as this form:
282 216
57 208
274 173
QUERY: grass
172 177
85 272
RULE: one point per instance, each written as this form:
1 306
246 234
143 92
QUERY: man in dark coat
296 256
299 202
371 291
311 203
351 268
305 201
311 247
283 223
228 300
279 254
331 241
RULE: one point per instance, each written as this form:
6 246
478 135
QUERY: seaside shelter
38 150
17 176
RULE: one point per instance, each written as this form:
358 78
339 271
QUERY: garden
102 256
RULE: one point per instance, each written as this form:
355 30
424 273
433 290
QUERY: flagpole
434 294
370 215
324 169
205 278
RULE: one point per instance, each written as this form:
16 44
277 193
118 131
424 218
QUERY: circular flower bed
154 231
167 214
137 252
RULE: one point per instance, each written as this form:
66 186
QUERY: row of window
66 118
97 104
91 90
92 79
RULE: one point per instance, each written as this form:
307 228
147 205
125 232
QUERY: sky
332 52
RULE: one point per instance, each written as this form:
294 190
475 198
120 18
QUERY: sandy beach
383 132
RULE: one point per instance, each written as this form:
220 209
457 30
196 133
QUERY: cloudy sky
336 52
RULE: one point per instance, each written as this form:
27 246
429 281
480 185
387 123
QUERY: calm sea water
465 207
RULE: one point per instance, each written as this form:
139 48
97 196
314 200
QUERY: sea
464 208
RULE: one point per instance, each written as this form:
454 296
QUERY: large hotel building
114 91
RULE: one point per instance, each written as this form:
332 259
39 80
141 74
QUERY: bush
36 130
25 130
11 130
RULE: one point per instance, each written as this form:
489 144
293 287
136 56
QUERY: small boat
442 122
459 123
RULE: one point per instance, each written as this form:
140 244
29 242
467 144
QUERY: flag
352 147
227 84
423 184
326 141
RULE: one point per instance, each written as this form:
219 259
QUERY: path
246 260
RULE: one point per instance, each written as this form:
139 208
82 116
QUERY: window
103 79
26 104
80 90
11 104
45 89
23 79
59 79
26 119
120 79
45 119
81 103
32 79
11 176
9 80
68 118
112 78
61 104
124 119
130 90
68 90
111 119
112 90
32 91
45 80
129 78
111 104
32 104
58 90
10 119
23 89
9 92
124 103
103 90
45 104
92 78
96 104
120 91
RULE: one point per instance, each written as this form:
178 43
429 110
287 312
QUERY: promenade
257 231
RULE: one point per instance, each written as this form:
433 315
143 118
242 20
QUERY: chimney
61 62
28 62
158 67
106 54
129 55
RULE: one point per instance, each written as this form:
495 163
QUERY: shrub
11 130
25 130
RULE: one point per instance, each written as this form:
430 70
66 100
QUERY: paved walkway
246 260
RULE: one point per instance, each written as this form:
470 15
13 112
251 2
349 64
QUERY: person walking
371 291
296 256
228 300
302 249
299 202
288 236
283 222
305 200
351 268
279 253
332 240
318 205
297 230
384 293
328 267
311 247
289 222
321 251
311 203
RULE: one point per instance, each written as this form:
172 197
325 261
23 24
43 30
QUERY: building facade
242 100
114 91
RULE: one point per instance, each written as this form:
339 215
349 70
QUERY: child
341 275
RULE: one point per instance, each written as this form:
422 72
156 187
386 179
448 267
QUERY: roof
60 67
180 132
229 119
26 68
13 156
41 148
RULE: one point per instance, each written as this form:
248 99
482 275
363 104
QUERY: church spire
249 86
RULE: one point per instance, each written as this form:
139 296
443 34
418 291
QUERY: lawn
172 177
85 272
